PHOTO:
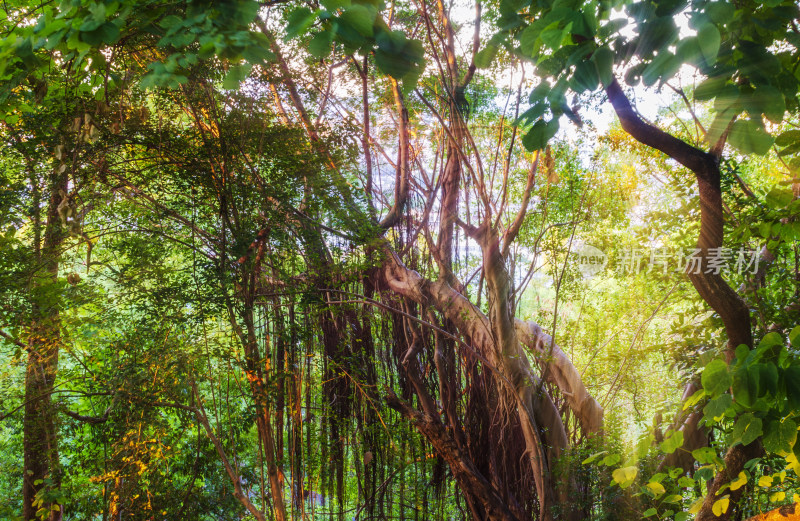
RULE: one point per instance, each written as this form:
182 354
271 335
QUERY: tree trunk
41 471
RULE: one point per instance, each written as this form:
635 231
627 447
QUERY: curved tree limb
563 374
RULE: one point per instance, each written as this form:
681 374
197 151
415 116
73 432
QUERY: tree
259 142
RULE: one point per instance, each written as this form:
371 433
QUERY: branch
476 44
14 341
88 419
402 172
563 374
237 483
513 230
692 158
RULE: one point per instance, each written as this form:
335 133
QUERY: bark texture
41 468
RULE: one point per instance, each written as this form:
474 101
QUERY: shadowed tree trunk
41 471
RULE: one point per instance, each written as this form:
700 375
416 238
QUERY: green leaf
593 457
789 150
390 65
611 459
715 378
672 443
236 74
794 337
709 88
791 376
485 57
777 198
746 429
585 77
771 102
780 436
538 136
527 40
299 20
787 138
745 386
108 33
665 65
767 379
727 99
742 351
553 37
716 408
674 498
320 44
603 59
749 137
720 12
360 17
705 455
97 18
689 51
694 399
709 39
649 512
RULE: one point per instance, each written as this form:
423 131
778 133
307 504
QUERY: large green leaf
780 436
585 77
716 408
794 337
749 136
791 377
359 17
320 44
603 59
745 386
673 443
538 136
746 429
299 20
709 39
716 378
788 137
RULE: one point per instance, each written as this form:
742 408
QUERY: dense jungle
501 260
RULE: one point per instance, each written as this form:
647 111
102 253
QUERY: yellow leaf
656 488
777 496
720 506
695 508
796 498
739 482
625 476
765 481
791 459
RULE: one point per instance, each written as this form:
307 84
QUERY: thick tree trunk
735 459
41 471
